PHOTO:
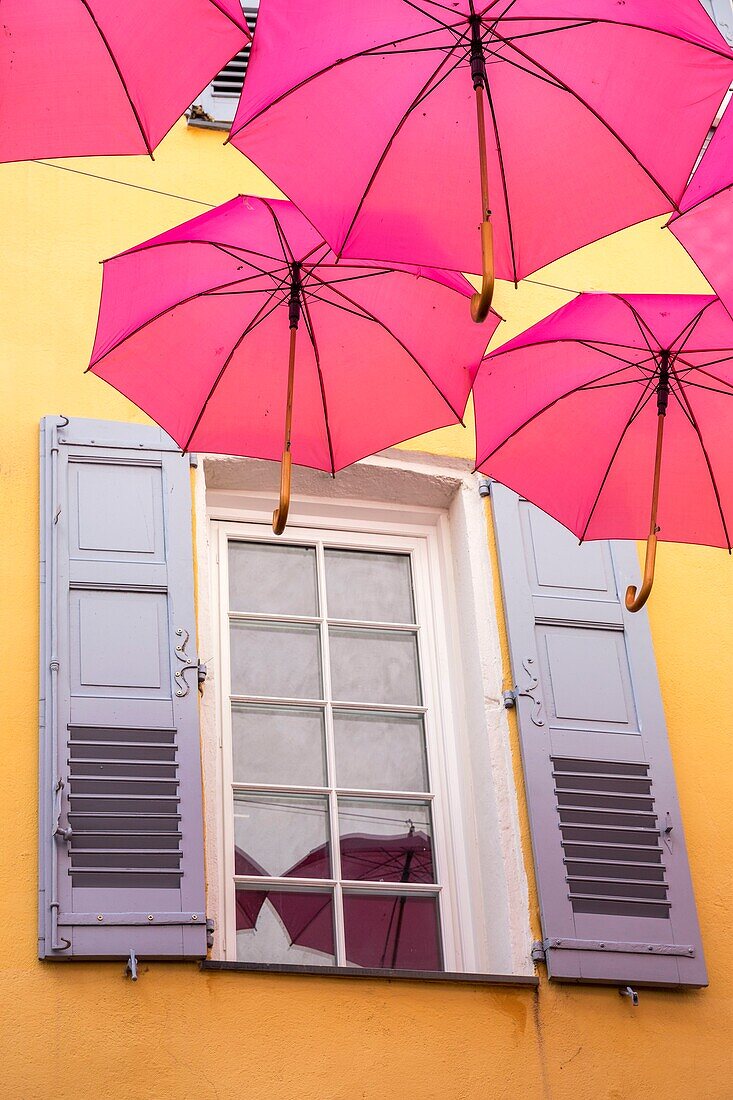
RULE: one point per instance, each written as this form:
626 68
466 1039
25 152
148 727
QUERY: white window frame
455 916
486 927
221 107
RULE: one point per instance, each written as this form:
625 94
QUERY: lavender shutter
121 829
615 895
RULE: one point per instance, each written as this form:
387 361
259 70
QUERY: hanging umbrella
391 930
199 327
589 116
705 223
102 77
572 415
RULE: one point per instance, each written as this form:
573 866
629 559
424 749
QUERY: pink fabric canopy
566 415
194 328
364 114
101 77
706 225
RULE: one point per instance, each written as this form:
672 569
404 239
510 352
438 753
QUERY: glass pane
385 841
283 745
281 835
275 660
285 926
394 932
379 751
369 586
269 579
374 666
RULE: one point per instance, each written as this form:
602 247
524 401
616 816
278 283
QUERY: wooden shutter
121 830
615 895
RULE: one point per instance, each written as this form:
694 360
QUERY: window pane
385 841
374 666
269 579
283 745
284 926
275 660
281 835
379 751
395 932
369 586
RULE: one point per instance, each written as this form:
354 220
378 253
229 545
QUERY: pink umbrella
590 116
572 415
705 225
101 77
199 327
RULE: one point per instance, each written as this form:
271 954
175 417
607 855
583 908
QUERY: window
217 104
332 788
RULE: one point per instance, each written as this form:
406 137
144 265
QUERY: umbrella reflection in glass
393 930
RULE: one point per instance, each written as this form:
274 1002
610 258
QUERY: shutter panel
615 895
121 823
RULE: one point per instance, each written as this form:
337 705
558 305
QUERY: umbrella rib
710 389
616 23
691 325
163 313
284 243
575 95
122 80
230 17
640 405
683 397
212 244
641 325
258 318
680 214
310 329
543 410
326 69
416 101
369 316
504 185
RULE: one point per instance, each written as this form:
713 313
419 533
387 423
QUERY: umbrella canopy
705 225
199 325
101 77
590 116
572 413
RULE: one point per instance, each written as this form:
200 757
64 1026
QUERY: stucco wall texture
81 1031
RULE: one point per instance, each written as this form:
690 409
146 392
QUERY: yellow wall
82 1031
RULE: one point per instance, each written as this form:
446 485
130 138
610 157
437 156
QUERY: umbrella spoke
392 138
262 314
684 401
689 328
603 122
370 317
312 337
545 408
327 68
638 408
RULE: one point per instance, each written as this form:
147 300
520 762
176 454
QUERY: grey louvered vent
610 838
231 78
124 808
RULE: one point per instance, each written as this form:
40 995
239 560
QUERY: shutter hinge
538 951
182 685
210 929
510 697
484 486
632 994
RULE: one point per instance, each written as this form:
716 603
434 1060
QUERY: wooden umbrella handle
481 302
636 600
280 515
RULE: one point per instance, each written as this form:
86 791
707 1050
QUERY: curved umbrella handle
635 600
481 302
280 515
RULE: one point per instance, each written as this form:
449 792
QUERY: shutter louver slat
121 806
615 894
